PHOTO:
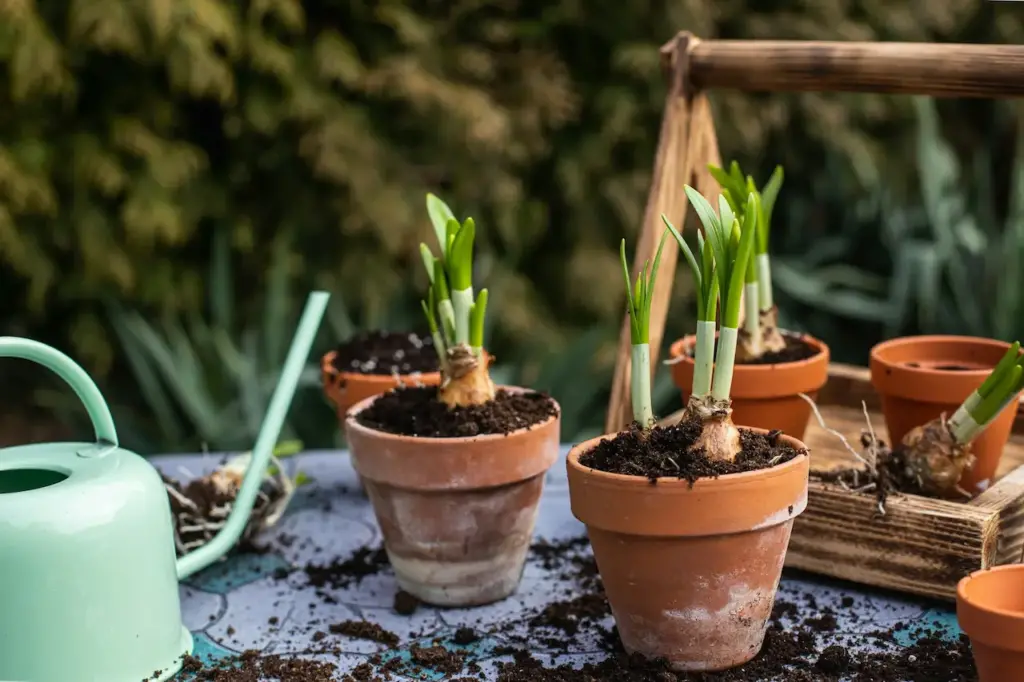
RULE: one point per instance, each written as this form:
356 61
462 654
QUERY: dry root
719 439
201 508
771 340
934 459
467 381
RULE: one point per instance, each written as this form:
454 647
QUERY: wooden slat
938 70
679 144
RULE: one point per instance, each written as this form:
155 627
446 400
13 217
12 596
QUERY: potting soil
416 411
380 352
665 452
318 603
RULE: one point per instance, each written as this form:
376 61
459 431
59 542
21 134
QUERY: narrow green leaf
439 214
476 320
428 261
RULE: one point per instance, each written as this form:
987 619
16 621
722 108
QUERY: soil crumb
405 604
250 666
438 658
416 411
342 573
465 636
381 352
664 452
363 629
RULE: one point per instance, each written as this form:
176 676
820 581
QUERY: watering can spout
265 441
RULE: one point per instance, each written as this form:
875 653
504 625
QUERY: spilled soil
795 649
665 452
381 352
416 411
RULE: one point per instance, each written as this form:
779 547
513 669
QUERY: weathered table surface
239 596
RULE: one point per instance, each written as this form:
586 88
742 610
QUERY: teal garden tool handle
73 375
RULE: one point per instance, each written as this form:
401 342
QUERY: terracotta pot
913 396
345 389
990 608
763 396
690 572
457 514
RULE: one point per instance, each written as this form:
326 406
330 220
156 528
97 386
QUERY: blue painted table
230 606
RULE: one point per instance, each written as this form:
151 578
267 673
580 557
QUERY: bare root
467 381
719 438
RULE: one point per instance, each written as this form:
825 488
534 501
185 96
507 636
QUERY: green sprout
450 308
455 317
638 300
1003 385
719 272
759 309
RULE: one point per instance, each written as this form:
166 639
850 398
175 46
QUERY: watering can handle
74 376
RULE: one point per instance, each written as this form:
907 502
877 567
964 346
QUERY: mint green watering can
88 576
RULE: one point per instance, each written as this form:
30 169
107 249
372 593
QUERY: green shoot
1002 386
735 189
476 323
460 272
439 214
731 250
449 306
456 319
639 300
706 284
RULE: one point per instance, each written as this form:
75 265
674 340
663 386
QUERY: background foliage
203 163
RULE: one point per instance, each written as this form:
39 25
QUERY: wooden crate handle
935 69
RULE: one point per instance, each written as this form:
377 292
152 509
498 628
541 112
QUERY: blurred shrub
135 132
946 258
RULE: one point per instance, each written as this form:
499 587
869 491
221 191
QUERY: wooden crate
921 546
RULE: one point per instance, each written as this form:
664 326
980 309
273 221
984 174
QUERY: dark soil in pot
796 350
416 411
380 352
665 452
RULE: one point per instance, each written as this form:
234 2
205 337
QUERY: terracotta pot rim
677 350
963 586
667 483
351 423
879 353
328 369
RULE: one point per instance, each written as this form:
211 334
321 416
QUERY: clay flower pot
345 389
990 609
690 572
763 396
457 514
914 394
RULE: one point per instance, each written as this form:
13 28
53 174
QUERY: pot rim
879 350
671 483
1005 626
964 583
351 423
331 374
676 350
